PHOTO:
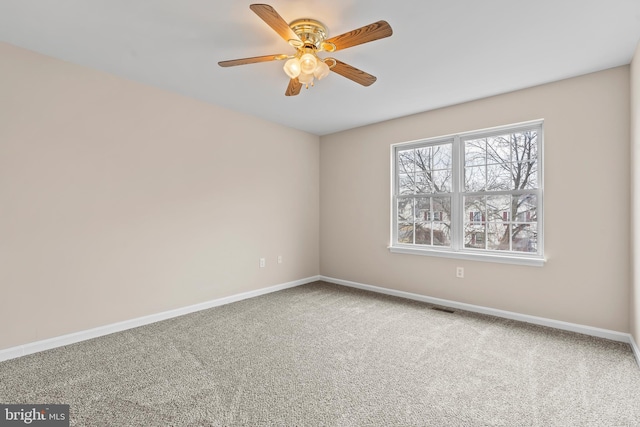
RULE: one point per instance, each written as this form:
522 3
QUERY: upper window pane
475 152
441 181
405 161
423 159
475 178
525 175
406 183
499 149
499 177
525 146
442 157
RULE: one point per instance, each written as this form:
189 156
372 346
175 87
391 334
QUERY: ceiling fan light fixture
292 68
308 63
321 71
306 78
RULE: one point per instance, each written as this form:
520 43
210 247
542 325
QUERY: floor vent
446 310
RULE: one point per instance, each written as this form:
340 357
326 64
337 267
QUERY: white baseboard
34 347
634 348
557 324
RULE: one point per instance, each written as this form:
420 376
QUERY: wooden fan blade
253 60
352 73
269 15
294 87
366 34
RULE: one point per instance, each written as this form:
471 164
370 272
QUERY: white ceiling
442 52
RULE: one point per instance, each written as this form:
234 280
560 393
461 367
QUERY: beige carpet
325 355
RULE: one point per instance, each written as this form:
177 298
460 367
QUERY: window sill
470 256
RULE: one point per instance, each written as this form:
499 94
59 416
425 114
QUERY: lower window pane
423 233
499 208
405 233
441 209
423 209
525 238
475 236
405 211
441 234
498 236
423 221
475 209
526 208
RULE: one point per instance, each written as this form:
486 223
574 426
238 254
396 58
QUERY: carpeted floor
325 355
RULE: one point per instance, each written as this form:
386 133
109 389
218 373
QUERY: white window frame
457 249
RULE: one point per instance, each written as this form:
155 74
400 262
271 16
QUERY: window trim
457 194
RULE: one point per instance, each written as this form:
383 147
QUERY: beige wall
120 200
586 279
635 196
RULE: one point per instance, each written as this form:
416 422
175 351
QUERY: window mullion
414 203
456 196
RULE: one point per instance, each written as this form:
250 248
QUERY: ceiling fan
309 37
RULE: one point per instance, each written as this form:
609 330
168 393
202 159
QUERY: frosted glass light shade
308 63
321 71
292 68
305 78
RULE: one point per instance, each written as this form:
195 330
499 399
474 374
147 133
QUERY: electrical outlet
460 272
279 259
263 263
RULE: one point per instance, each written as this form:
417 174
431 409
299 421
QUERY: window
476 195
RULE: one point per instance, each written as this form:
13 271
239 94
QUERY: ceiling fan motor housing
310 32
